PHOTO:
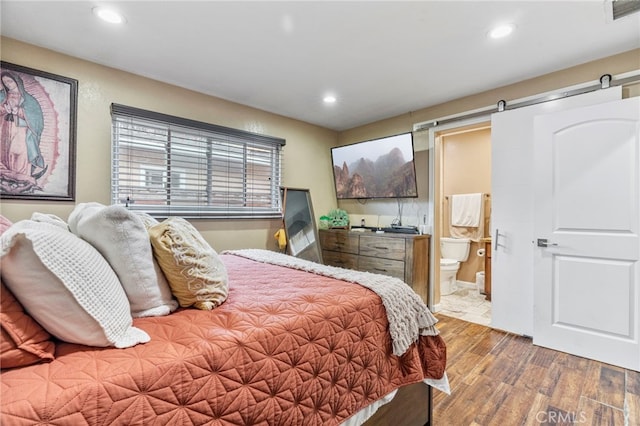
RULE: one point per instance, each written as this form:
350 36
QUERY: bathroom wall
466 168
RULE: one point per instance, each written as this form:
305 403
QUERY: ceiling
380 59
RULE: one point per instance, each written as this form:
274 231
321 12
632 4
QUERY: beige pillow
195 273
122 239
66 286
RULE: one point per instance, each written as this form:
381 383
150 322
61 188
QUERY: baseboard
466 284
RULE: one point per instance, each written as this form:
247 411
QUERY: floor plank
596 413
498 378
632 396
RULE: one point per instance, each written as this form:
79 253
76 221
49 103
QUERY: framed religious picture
37 134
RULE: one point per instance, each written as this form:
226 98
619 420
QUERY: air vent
623 8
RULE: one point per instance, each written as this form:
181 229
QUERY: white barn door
586 228
512 214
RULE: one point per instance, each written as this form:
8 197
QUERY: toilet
452 252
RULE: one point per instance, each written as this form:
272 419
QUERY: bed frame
408 408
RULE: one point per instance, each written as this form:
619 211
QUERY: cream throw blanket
407 314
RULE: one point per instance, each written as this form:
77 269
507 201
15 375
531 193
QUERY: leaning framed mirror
300 225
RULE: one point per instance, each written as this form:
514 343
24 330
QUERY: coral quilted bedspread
287 348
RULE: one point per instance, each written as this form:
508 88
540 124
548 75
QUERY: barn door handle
496 240
543 242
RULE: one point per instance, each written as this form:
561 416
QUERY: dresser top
370 233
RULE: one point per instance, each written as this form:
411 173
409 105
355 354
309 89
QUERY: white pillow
147 219
50 218
121 237
67 286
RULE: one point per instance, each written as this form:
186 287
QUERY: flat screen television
377 168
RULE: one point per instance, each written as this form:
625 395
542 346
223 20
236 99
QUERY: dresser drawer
342 260
393 268
345 242
402 256
384 247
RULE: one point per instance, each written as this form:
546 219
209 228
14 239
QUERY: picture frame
38 113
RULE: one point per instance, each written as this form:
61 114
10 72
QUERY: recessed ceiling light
108 15
329 99
501 31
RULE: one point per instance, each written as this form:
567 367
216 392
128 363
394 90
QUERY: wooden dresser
404 256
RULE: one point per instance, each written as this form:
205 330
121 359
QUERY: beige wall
617 64
306 155
466 168
592 71
100 86
466 162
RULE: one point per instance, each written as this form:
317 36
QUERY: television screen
378 168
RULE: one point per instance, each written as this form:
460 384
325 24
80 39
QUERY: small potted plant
338 218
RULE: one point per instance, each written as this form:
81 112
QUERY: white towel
466 210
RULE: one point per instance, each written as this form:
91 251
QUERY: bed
291 345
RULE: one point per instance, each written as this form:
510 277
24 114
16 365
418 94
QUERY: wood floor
501 379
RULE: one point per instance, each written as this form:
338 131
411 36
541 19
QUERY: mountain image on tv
387 176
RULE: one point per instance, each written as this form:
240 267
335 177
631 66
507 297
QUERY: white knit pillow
121 237
67 286
50 218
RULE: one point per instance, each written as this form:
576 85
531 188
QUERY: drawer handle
382 248
380 269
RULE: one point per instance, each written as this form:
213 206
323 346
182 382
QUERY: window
156 177
171 166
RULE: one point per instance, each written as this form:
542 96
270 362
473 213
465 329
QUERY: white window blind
171 166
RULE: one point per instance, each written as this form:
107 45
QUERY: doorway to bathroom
462 168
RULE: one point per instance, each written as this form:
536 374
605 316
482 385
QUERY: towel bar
446 197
